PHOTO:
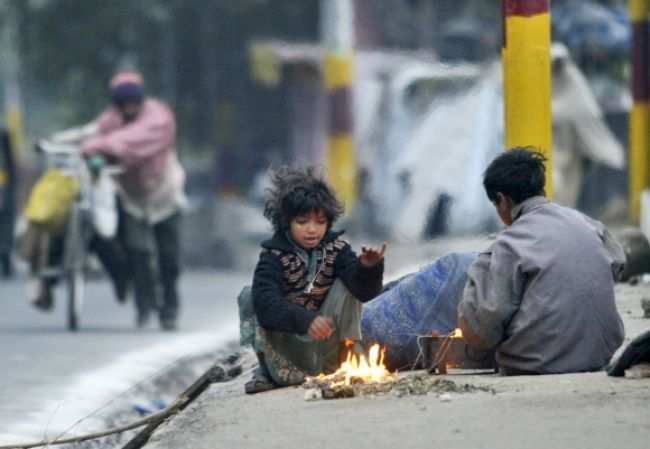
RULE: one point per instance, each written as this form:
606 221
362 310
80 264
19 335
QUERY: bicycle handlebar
48 146
60 148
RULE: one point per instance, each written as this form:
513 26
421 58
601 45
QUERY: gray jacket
543 294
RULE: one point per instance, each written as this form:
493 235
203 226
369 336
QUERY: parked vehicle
430 130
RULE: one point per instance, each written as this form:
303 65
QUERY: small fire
360 369
457 333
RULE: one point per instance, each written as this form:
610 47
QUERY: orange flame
457 333
360 368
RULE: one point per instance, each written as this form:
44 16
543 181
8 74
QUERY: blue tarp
416 305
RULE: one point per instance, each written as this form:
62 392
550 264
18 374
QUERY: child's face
309 229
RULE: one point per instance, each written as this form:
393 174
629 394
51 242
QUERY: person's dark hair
297 192
518 173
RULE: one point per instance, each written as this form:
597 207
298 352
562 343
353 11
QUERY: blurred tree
192 53
71 48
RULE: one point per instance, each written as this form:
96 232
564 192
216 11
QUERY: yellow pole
526 57
337 29
14 123
640 114
10 77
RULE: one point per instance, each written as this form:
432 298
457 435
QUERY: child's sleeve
491 297
363 282
273 311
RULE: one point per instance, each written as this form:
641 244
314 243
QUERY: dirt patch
418 384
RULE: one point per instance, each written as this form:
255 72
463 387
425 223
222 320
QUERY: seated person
308 285
543 294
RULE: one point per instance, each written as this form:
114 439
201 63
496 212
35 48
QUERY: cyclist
139 133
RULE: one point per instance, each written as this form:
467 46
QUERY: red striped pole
640 114
10 74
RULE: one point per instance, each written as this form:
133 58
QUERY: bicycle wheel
75 254
75 298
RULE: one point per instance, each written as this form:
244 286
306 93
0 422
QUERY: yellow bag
51 199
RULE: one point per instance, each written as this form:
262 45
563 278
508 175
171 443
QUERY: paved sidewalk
563 411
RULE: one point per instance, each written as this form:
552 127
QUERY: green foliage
188 51
71 48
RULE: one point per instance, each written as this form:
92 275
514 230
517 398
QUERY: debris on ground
417 384
639 371
645 305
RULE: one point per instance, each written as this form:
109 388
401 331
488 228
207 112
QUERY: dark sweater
282 298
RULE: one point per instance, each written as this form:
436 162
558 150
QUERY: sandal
45 300
260 383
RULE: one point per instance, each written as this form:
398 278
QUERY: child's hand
321 328
371 256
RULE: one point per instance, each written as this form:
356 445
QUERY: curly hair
296 192
518 173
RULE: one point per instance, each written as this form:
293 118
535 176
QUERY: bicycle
83 220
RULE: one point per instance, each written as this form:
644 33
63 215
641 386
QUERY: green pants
291 357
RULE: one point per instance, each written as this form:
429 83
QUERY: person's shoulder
155 108
505 238
156 102
334 239
270 254
577 217
108 118
278 242
548 220
557 208
534 216
511 239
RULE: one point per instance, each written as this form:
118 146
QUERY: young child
543 294
308 284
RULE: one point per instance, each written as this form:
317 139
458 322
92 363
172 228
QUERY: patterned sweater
287 299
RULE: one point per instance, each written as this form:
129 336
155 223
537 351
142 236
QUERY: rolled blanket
418 304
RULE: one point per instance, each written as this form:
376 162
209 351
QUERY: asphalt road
51 378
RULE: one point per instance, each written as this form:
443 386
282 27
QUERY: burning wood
368 376
355 371
452 351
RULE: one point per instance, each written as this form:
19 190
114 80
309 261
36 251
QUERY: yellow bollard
14 122
526 57
337 28
341 160
640 114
